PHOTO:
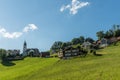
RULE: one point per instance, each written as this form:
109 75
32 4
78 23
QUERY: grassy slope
106 67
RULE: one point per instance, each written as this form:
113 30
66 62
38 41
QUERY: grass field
105 67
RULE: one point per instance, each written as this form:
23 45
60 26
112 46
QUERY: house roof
118 38
86 43
45 53
113 39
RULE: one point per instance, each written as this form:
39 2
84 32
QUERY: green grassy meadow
105 67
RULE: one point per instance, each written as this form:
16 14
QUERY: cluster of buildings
31 52
104 42
67 52
87 46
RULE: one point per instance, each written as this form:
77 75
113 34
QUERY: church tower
24 47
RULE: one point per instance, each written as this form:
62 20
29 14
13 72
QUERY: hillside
105 67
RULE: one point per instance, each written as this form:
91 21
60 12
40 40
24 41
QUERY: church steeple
24 47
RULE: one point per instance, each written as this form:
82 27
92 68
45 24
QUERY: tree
2 54
89 40
118 27
68 44
116 30
100 34
75 41
108 34
114 27
82 39
111 32
64 45
56 46
117 33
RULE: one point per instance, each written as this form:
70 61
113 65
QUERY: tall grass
106 67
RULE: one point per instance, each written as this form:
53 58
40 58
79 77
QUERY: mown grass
105 67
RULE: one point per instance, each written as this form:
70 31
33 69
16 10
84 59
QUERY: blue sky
46 22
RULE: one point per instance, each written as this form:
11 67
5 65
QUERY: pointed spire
24 47
25 43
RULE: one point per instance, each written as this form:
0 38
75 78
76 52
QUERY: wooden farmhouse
71 52
45 54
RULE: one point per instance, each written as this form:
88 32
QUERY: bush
54 55
3 54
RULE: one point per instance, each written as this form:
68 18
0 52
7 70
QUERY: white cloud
30 27
74 6
4 33
64 7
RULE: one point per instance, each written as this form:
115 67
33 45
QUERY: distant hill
105 67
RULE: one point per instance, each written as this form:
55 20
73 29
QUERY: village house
45 54
87 45
112 40
118 38
71 52
68 52
103 43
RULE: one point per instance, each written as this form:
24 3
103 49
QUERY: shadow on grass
7 63
98 54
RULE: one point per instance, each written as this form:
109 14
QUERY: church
32 52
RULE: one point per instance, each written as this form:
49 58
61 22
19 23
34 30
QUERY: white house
86 45
104 42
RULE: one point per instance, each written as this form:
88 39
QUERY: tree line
80 40
113 32
4 54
